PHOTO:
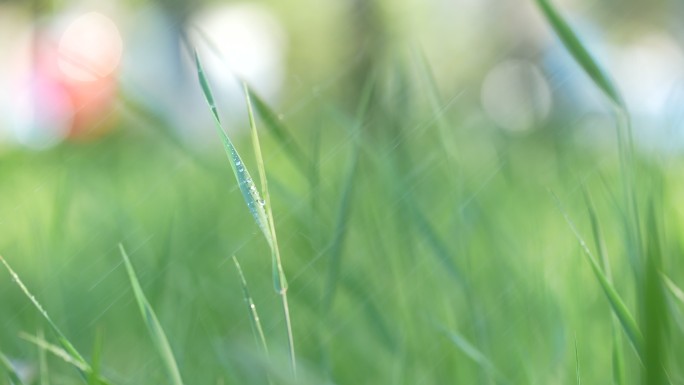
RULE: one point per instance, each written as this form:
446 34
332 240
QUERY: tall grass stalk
617 355
617 304
260 208
257 329
605 84
279 278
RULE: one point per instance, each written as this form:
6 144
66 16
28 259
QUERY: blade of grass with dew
251 195
154 328
273 122
55 351
257 329
616 355
279 280
83 367
66 344
11 372
628 323
580 53
249 192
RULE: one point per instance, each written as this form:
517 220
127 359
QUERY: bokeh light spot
90 48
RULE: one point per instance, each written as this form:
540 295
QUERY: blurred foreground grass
421 246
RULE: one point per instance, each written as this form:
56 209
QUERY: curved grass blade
66 344
11 372
619 308
161 343
249 191
581 54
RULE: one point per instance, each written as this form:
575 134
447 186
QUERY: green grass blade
616 355
476 355
279 131
11 372
654 314
673 288
619 308
56 351
66 344
580 53
270 118
257 329
345 207
577 365
279 280
256 205
42 362
93 375
159 339
249 191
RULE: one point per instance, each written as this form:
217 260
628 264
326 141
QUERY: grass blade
654 314
245 182
616 355
55 351
161 343
577 365
279 131
251 307
279 280
11 372
42 361
580 53
673 288
619 308
476 355
66 344
256 205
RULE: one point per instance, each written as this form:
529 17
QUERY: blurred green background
412 190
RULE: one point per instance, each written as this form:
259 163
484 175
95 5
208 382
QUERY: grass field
419 246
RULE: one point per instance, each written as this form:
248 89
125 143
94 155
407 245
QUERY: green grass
420 246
